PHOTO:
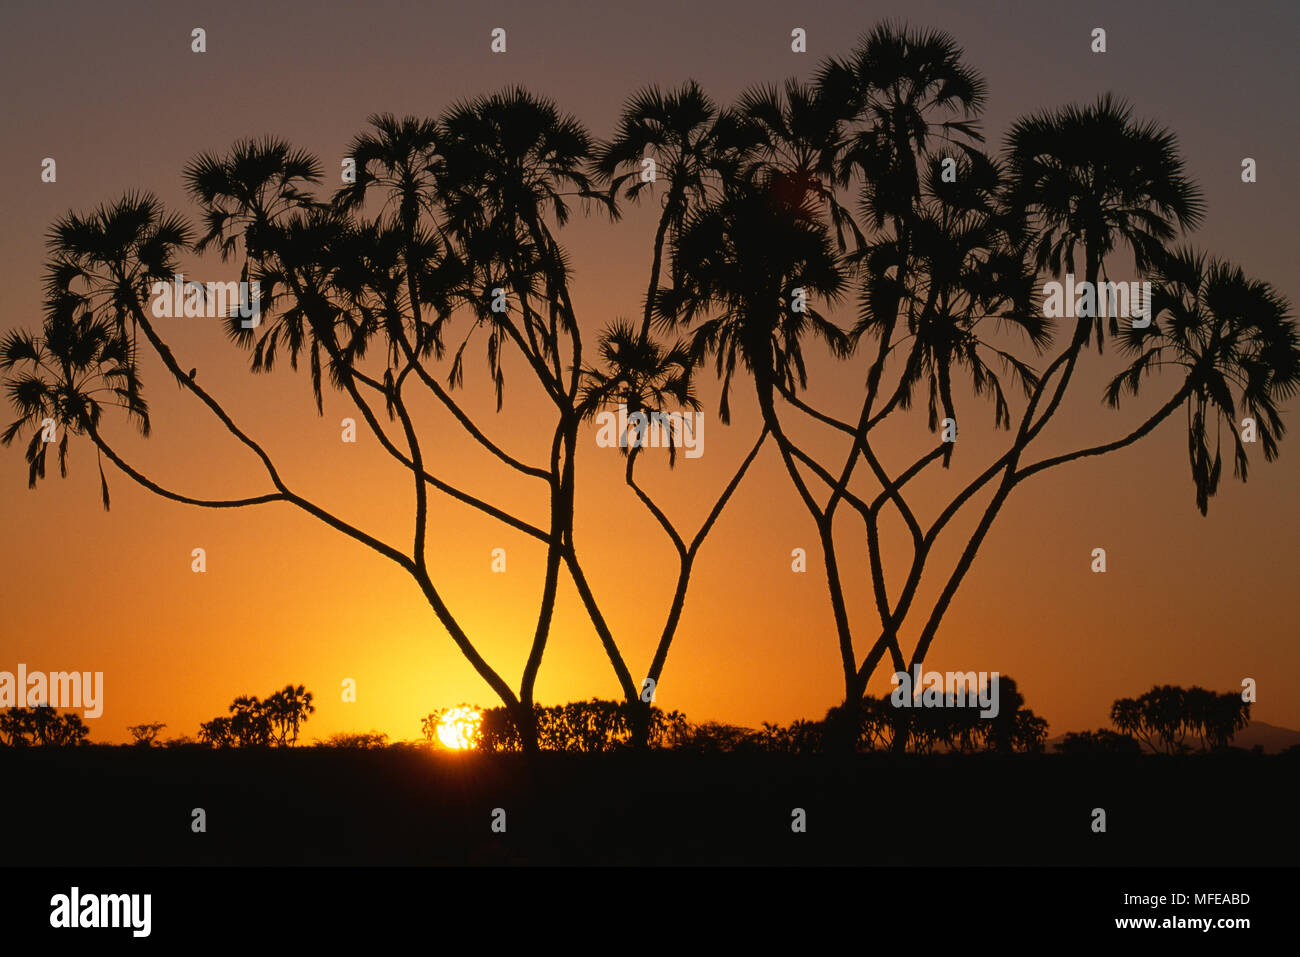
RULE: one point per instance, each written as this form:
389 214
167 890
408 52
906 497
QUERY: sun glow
459 728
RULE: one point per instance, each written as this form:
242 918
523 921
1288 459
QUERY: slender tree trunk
640 707
842 730
656 264
1092 268
561 520
525 719
902 727
640 718
598 620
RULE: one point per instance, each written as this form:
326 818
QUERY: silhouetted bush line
363 742
1161 720
1100 741
603 726
41 726
581 726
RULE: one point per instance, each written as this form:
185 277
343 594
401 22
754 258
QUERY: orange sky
1187 600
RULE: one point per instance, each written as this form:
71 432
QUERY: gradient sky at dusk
114 94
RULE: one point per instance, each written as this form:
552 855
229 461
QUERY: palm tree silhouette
1090 178
509 161
895 86
646 380
287 709
793 136
1086 178
879 118
906 98
741 261
101 268
637 373
400 158
85 359
345 283
448 217
250 721
691 141
1228 332
963 278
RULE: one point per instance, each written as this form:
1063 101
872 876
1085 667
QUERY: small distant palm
250 722
640 375
288 709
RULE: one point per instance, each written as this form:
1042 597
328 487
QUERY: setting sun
458 729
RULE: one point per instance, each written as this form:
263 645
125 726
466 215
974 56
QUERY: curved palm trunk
656 264
412 292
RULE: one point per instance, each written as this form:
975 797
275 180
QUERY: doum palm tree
867 185
287 709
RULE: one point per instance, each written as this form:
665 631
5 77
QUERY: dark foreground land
107 805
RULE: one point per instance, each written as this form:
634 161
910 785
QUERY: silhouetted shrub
713 737
144 734
364 742
41 726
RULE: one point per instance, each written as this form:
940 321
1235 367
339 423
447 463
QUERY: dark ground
131 806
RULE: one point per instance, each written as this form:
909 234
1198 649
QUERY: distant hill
1272 738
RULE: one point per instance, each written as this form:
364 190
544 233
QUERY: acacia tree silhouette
144 734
